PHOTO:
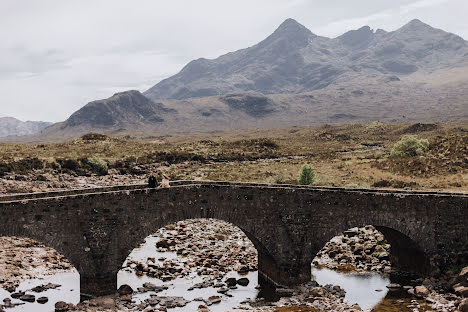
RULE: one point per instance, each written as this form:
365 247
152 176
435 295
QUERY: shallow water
179 287
367 289
69 291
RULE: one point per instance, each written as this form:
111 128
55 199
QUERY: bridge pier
98 284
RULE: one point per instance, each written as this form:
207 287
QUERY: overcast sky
56 56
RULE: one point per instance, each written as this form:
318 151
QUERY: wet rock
61 306
243 281
212 300
203 308
151 287
125 290
42 300
231 281
16 295
38 289
172 302
28 298
393 286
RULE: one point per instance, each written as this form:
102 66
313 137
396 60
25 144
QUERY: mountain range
297 78
10 126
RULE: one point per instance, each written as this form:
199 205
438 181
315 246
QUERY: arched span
405 254
266 262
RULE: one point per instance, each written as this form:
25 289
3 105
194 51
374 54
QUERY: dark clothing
152 182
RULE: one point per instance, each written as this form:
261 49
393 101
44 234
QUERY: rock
463 275
28 298
125 290
461 290
231 281
316 292
393 286
61 306
463 306
38 289
212 300
421 291
42 300
126 298
18 294
243 281
203 308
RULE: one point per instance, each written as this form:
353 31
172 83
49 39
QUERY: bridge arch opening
35 276
197 259
365 259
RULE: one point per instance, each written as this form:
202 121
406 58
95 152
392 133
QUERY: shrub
306 175
97 165
409 145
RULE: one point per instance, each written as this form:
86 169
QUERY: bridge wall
288 225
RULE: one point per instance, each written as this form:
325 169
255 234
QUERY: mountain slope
10 126
128 109
294 60
294 77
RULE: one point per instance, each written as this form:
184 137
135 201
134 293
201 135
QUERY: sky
56 56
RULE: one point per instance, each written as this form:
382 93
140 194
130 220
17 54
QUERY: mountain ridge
296 78
294 60
10 126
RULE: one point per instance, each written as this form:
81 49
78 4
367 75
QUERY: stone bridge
96 229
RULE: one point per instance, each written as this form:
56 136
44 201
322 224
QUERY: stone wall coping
135 188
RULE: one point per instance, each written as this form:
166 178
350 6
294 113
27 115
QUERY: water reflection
367 289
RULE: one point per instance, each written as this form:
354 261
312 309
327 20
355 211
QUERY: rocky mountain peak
358 37
291 26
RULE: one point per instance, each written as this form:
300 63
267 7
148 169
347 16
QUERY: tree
306 175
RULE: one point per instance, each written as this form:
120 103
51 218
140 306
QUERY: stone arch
405 253
39 262
61 246
267 264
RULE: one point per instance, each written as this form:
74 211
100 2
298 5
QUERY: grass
354 155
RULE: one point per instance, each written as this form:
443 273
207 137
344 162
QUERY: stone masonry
96 229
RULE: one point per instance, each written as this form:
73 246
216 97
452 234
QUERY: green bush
97 165
306 175
410 145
